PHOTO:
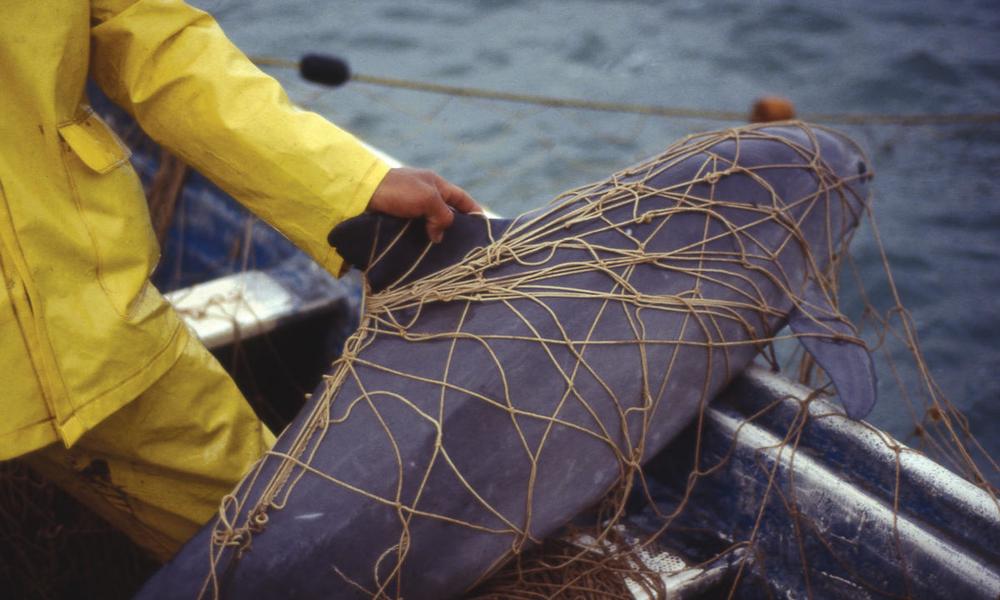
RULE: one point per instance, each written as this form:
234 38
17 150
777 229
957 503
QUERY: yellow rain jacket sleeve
194 92
82 332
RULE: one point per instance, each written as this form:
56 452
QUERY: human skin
411 193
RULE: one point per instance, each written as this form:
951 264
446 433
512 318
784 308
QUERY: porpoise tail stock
505 380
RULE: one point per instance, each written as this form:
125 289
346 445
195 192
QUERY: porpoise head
844 166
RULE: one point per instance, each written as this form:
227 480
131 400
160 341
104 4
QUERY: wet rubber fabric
157 468
82 331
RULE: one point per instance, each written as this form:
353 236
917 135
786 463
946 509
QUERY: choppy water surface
937 200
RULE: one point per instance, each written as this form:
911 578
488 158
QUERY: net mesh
604 348
603 564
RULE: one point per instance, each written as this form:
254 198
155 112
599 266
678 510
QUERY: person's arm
194 92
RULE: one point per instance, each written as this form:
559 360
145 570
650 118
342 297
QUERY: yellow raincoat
82 331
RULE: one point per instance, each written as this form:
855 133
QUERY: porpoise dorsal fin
848 364
390 248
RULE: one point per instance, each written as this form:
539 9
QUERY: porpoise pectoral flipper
391 250
822 330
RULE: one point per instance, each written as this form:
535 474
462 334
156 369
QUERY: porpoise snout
850 164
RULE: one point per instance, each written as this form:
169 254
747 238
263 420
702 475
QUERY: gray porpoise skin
327 539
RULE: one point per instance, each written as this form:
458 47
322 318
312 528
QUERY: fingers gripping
410 193
457 198
438 217
450 196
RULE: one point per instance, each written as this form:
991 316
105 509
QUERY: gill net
53 548
556 375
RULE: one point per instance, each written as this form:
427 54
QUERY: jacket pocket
94 143
113 207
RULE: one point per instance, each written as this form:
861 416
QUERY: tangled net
595 558
53 547
494 337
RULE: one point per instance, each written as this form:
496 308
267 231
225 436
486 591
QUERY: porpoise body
504 380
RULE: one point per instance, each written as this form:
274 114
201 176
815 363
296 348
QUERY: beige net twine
563 353
595 389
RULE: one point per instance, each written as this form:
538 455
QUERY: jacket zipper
20 300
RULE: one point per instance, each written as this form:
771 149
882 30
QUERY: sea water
937 196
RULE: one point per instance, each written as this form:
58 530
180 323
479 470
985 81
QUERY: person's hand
411 193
